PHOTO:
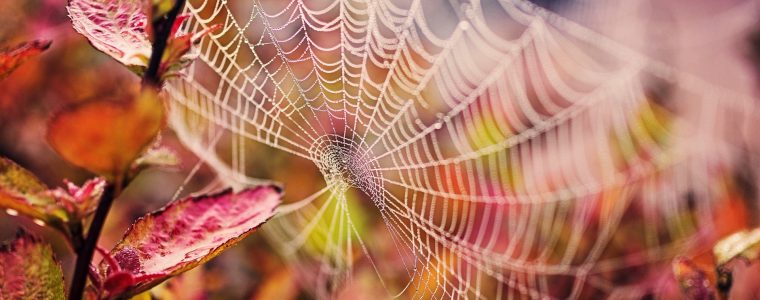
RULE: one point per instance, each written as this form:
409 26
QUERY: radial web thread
507 150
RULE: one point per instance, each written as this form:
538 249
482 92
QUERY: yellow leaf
741 244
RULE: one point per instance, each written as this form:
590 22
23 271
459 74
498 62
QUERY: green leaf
28 270
23 193
189 232
161 8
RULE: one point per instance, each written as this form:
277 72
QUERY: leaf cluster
116 138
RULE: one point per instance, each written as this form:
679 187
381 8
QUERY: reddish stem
112 263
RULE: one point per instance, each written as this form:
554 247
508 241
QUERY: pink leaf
189 232
116 27
29 271
80 202
120 28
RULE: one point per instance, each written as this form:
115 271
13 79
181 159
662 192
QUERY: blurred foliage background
72 71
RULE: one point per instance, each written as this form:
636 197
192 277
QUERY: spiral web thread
506 149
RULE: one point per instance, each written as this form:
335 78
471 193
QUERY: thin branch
162 28
85 253
76 235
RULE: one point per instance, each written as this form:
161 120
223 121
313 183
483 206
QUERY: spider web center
345 163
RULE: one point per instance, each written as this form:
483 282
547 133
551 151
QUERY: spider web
508 151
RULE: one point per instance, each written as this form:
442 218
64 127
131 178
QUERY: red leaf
178 55
29 271
118 282
189 232
12 58
177 23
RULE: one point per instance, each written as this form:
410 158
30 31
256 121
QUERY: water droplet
39 222
11 212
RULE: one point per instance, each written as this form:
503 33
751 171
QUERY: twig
84 255
162 28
